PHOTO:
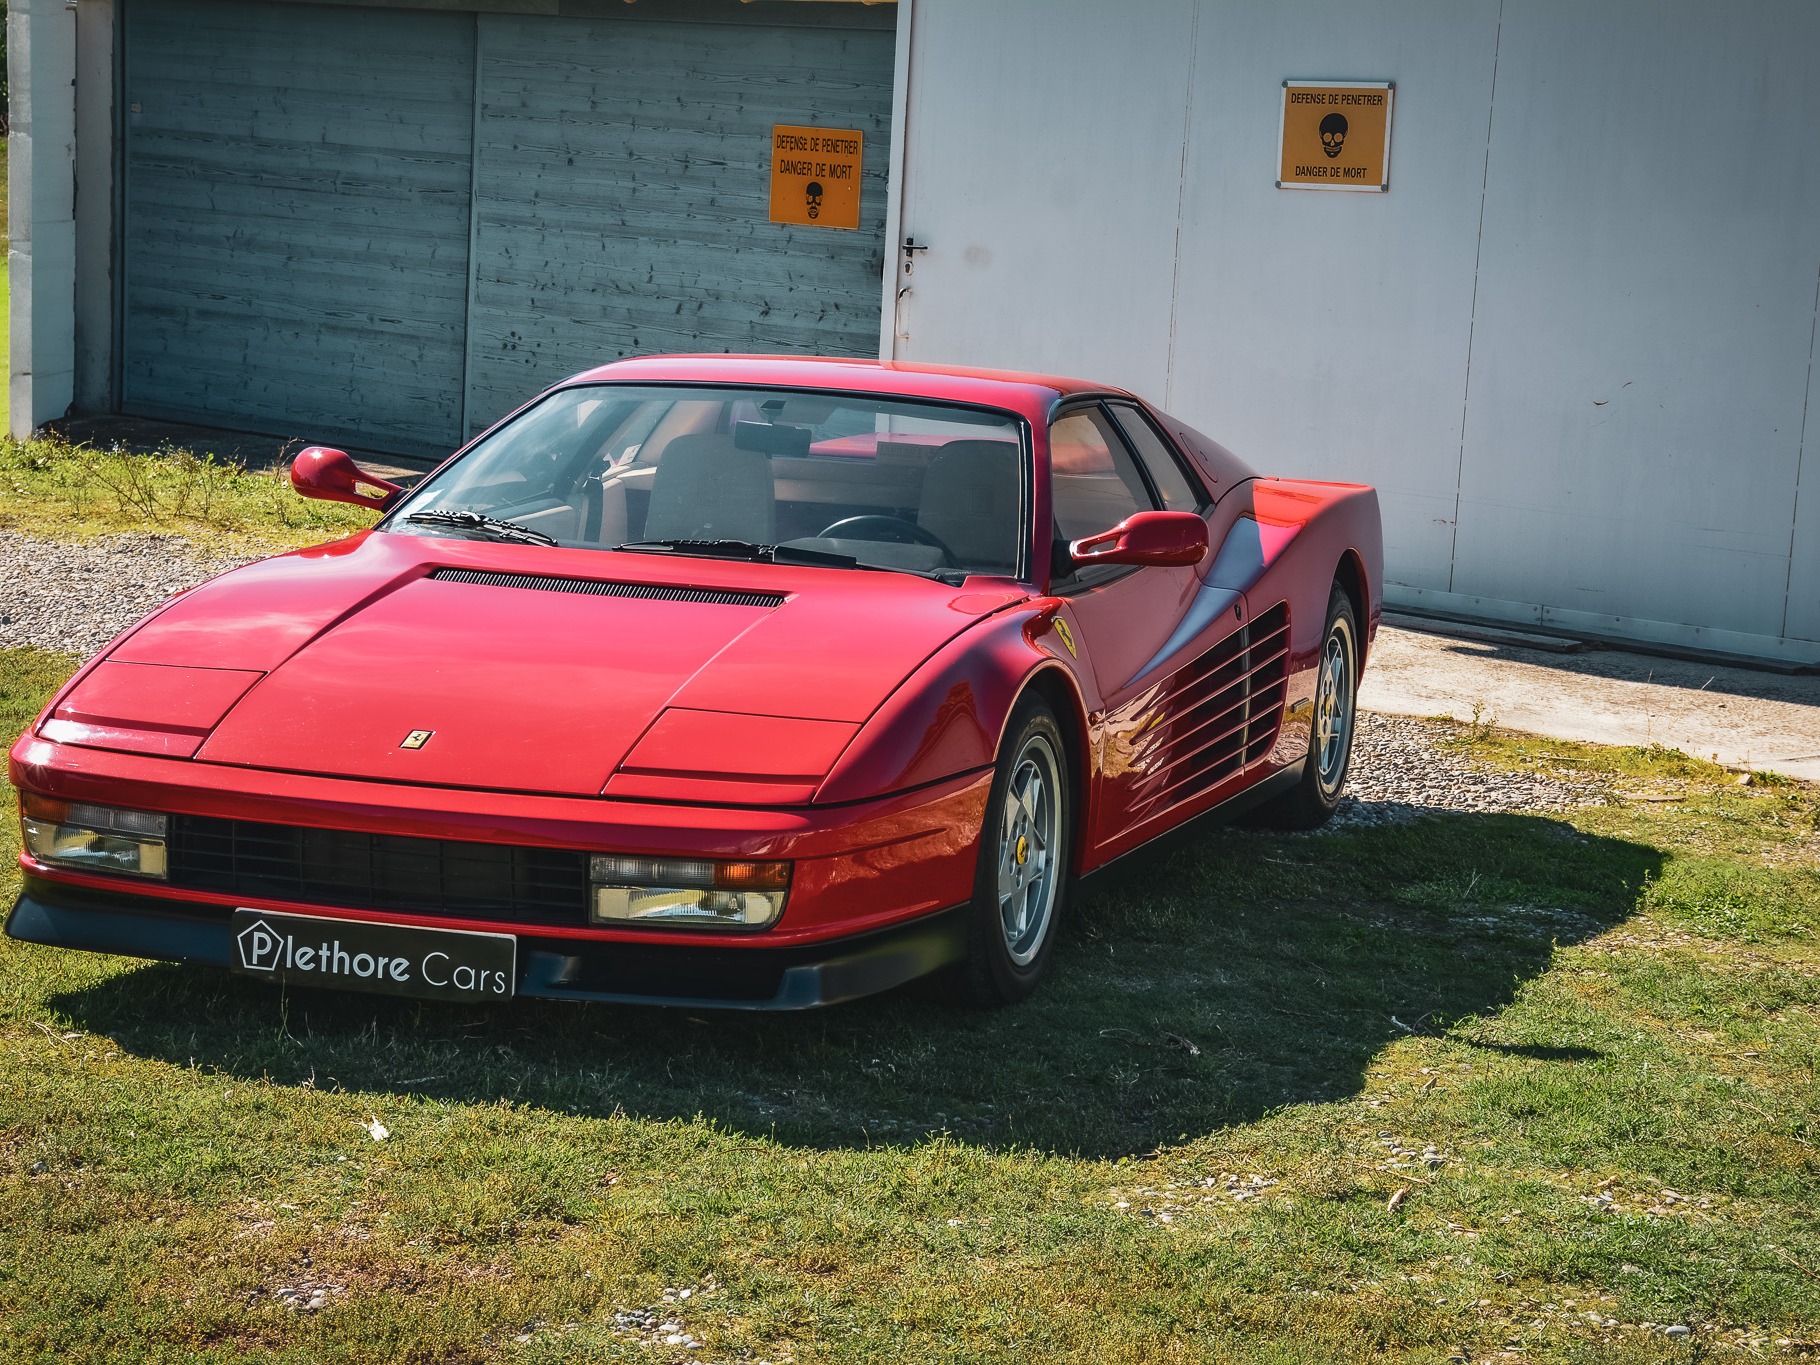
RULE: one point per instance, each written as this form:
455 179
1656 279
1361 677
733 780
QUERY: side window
1094 485
1180 491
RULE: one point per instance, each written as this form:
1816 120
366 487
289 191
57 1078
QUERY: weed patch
57 490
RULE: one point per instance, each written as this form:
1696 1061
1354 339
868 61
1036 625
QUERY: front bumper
855 868
747 976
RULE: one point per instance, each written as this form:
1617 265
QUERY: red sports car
729 681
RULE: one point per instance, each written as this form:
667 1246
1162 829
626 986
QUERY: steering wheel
909 533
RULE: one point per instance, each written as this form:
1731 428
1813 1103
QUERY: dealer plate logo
390 959
261 947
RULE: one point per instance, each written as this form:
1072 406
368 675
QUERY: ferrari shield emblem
1063 629
416 739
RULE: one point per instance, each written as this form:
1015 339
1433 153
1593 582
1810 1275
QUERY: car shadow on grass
1236 976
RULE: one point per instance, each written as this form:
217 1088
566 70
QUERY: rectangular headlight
686 893
87 838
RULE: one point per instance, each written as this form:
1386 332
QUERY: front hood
528 677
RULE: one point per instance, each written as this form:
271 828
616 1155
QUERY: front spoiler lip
822 973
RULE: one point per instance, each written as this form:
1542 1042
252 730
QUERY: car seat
706 488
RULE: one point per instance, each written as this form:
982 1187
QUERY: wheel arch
950 716
1058 689
1349 577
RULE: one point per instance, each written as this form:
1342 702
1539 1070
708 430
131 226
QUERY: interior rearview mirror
1151 538
331 475
768 439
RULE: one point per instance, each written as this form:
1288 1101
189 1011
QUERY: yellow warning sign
815 176
1335 135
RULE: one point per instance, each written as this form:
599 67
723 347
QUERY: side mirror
1153 538
329 474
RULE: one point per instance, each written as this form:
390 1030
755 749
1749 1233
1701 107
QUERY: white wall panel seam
1491 106
1794 511
1181 201
890 278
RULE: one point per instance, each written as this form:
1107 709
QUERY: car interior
886 483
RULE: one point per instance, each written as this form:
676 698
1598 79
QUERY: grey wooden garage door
297 206
622 194
327 236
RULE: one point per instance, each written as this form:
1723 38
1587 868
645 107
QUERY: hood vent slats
593 587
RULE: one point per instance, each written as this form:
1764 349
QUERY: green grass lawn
6 291
1500 1087
51 488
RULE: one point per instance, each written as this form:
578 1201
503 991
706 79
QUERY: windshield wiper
743 549
496 527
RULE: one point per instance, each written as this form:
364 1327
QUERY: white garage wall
1325 334
1646 307
1043 163
1620 244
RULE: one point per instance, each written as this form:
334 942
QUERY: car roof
1030 394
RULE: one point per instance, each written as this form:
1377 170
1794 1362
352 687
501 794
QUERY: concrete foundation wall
41 76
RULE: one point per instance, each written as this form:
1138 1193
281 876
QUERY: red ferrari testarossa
731 681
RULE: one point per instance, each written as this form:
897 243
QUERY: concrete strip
1494 635
1736 716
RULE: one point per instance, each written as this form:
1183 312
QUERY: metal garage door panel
297 197
622 196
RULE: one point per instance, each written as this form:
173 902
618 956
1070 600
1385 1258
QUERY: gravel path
1400 771
77 597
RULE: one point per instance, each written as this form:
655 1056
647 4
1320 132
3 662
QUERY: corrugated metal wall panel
297 199
622 196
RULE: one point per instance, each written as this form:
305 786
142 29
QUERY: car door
1168 651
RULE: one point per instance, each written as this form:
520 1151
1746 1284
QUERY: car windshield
783 474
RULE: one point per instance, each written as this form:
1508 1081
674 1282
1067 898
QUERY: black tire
1313 800
1010 942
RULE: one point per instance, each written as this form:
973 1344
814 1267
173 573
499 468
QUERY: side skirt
1138 859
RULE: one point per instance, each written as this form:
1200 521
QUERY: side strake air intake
1225 710
593 587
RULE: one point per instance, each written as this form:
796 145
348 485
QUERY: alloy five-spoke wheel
1025 862
1333 704
1315 797
1029 836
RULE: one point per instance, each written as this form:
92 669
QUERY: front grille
595 587
379 871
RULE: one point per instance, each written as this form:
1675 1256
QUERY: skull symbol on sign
814 191
1333 134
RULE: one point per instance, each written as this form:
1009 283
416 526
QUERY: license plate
388 959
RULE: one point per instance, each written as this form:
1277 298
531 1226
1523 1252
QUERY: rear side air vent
593 587
1223 713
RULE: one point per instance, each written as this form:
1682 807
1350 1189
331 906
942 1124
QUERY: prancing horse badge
416 739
